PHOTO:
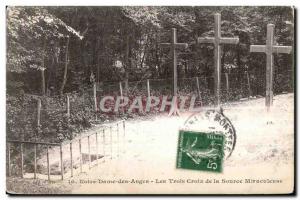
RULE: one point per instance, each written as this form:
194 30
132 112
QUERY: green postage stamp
200 151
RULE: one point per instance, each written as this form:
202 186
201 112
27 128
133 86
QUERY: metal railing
106 128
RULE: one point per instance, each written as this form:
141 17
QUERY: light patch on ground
264 150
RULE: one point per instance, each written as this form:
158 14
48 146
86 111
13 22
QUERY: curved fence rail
89 149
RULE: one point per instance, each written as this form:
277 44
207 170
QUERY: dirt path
264 151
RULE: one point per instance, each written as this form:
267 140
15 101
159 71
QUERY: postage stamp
200 151
213 121
149 100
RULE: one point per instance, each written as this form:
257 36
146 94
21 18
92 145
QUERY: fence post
121 89
95 99
148 88
9 170
43 76
35 160
38 123
118 145
22 160
71 158
95 96
61 162
48 164
227 83
111 142
39 105
248 84
103 131
68 107
121 94
89 152
80 154
198 87
97 148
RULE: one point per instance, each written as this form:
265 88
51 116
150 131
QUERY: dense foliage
56 50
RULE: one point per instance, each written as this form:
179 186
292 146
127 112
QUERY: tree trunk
240 68
43 82
66 67
43 69
223 58
127 64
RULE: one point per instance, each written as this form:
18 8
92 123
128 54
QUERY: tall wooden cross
217 40
269 49
174 47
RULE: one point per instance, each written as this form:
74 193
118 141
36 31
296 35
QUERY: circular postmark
212 121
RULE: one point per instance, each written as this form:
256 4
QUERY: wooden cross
174 47
217 40
269 49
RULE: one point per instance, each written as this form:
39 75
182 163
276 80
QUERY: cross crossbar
217 40
174 46
275 49
177 45
269 49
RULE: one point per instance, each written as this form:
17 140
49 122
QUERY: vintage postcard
150 100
